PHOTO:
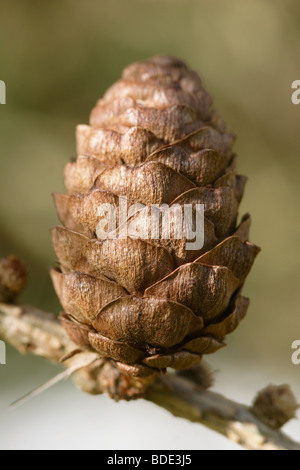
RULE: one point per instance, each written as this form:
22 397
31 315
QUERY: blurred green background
57 58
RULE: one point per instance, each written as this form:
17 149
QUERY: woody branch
34 331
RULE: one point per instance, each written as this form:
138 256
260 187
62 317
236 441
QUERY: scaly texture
150 304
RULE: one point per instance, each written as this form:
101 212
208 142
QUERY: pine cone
151 303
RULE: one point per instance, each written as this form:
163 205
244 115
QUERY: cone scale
146 304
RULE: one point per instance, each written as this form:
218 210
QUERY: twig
32 330
184 399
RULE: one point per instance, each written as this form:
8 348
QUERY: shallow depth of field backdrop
57 58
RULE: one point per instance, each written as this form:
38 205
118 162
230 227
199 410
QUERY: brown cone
149 304
275 405
13 278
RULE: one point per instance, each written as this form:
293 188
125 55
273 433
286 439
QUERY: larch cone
147 304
